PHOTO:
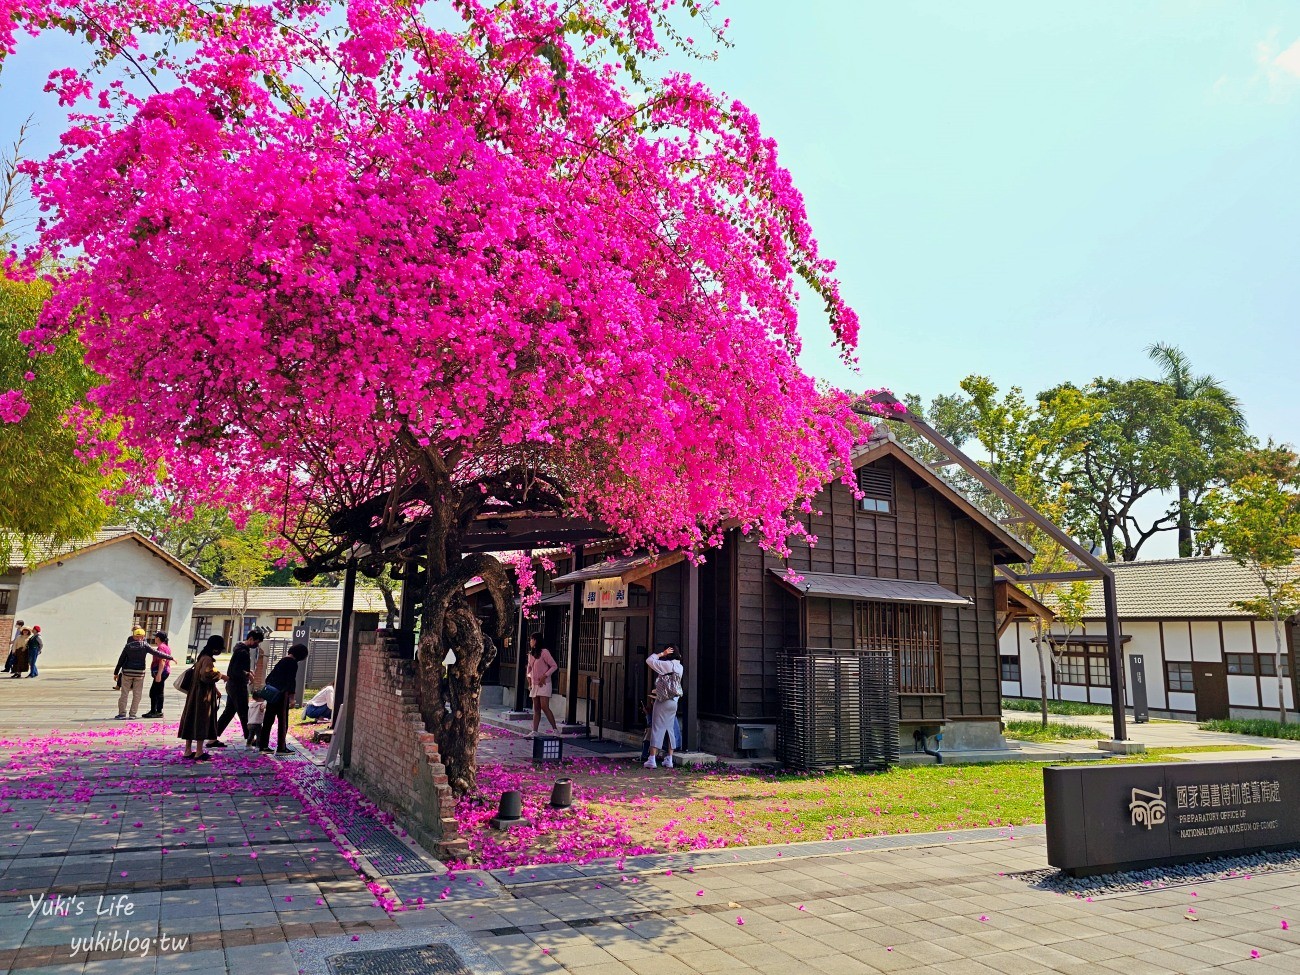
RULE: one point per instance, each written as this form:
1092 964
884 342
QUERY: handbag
185 680
269 694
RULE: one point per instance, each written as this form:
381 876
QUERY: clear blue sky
1030 190
1038 190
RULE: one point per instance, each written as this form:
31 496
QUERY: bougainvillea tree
385 264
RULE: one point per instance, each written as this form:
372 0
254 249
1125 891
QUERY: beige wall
85 605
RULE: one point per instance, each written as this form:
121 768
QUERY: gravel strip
1159 878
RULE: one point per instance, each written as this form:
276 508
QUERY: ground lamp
509 811
562 794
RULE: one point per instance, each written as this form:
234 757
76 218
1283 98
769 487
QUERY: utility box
749 737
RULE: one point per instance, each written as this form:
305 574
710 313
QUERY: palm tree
1190 388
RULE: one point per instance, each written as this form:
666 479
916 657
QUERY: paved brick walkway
105 816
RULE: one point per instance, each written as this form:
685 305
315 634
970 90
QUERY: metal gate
839 709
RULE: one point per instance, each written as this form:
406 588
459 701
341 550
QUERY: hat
137 633
36 629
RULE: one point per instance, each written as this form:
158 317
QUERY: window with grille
912 633
1241 663
284 623
1071 668
202 629
877 487
1098 670
6 602
1178 676
1010 668
151 614
1268 668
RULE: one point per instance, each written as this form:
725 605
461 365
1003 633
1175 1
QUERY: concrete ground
942 904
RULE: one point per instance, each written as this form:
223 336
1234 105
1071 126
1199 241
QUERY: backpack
668 686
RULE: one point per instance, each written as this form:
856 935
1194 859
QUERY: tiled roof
288 599
44 552
1179 589
840 586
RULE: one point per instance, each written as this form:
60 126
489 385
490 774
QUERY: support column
1116 654
406 621
521 661
575 626
345 623
691 650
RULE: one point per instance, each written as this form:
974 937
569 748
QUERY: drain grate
435 959
372 839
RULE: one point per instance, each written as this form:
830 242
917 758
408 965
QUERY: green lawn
1053 707
1262 728
1055 731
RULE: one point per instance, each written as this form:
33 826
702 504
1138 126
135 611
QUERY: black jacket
284 676
135 655
241 663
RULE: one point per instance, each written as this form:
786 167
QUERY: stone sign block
1128 817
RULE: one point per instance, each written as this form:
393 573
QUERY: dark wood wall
668 607
717 668
926 538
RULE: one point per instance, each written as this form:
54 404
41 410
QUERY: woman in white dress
667 667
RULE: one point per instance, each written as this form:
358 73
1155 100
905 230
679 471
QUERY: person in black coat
284 678
238 672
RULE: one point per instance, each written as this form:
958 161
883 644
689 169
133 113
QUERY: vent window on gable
877 487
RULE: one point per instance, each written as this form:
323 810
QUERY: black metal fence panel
839 709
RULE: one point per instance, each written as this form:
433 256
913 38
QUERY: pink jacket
541 667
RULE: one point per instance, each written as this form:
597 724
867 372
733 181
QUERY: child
256 715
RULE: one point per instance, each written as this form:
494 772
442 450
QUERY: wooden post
691 649
406 624
521 658
345 622
575 625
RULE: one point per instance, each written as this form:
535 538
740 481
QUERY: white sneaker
650 764
668 762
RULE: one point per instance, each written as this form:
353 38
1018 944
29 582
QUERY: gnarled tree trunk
449 695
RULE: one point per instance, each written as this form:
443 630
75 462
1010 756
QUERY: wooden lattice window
283 623
6 602
877 487
152 615
911 632
589 641
1178 676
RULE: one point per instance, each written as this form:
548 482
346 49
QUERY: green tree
192 533
1212 417
1256 519
1027 446
48 490
246 561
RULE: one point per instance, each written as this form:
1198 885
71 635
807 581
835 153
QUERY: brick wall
394 760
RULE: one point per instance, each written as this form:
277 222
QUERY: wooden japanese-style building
906 570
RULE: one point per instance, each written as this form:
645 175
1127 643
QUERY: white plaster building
230 613
88 596
1203 657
